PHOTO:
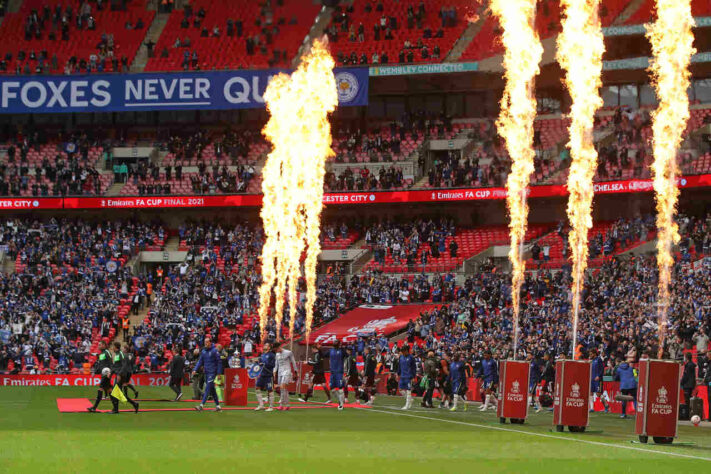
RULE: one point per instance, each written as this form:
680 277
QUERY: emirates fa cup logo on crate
661 405
514 394
662 395
573 400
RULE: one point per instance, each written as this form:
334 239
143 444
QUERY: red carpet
250 402
79 405
73 405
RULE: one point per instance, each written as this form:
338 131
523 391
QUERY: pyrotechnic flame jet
292 184
580 50
515 124
672 47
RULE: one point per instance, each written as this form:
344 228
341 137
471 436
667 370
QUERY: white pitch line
541 435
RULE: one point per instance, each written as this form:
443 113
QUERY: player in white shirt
285 368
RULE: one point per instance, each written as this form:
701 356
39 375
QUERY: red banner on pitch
572 393
236 382
657 398
513 380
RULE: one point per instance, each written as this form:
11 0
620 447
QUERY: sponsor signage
629 30
513 376
414 69
571 393
76 380
305 377
642 62
209 90
355 198
236 384
149 202
30 203
657 398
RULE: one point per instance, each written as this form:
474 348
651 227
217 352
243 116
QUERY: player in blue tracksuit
489 374
265 379
406 371
336 357
456 379
212 365
597 369
628 384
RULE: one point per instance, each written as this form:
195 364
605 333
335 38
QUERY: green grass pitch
35 437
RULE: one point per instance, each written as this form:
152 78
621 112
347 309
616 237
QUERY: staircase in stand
152 34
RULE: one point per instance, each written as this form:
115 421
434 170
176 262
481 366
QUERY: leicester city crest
347 85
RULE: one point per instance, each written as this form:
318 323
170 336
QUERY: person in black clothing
370 364
688 379
453 246
130 370
103 367
121 371
350 370
318 376
177 370
430 367
548 377
391 384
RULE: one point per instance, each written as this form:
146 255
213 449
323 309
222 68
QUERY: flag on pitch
117 393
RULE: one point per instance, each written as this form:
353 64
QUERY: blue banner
213 90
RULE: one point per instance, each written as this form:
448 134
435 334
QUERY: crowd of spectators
215 287
218 164
603 240
385 28
197 23
188 148
386 143
412 243
449 170
628 150
487 164
69 280
65 293
55 179
227 147
67 169
378 148
695 236
149 180
618 313
331 232
60 23
363 180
